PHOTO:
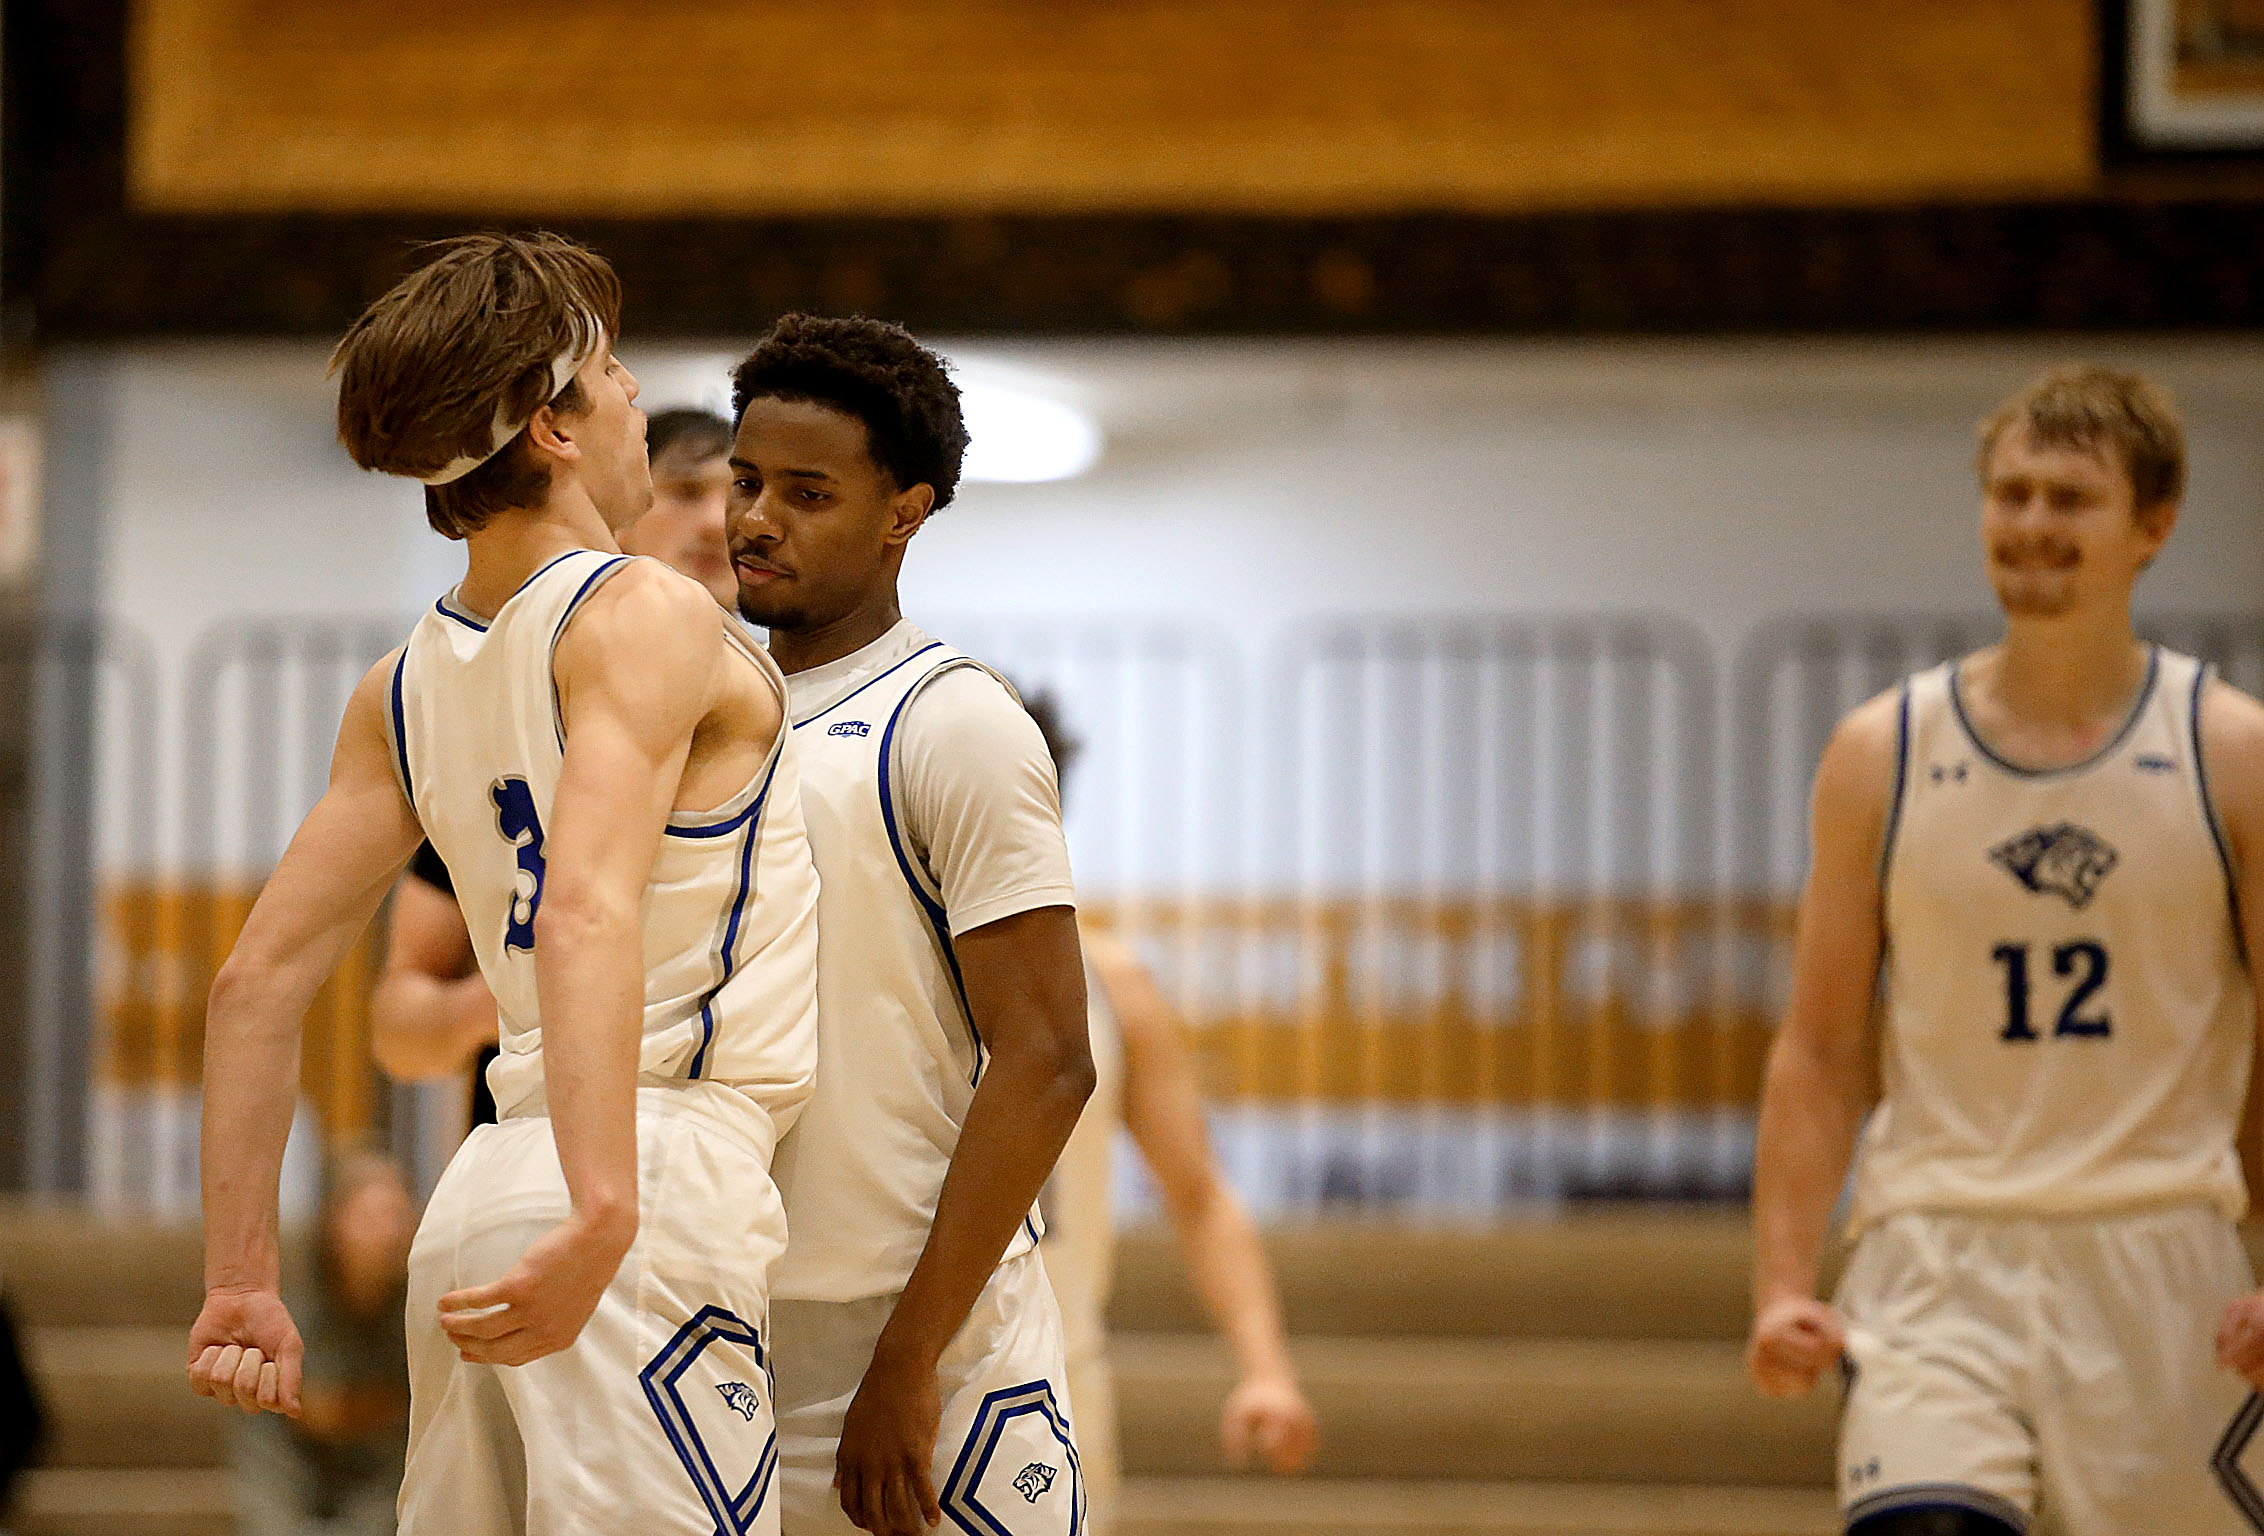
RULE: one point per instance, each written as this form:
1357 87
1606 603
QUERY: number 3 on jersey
516 819
2084 961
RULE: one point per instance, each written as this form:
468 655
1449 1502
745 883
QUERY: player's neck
799 650
2077 671
518 543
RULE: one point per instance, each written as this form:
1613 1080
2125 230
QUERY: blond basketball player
919 1350
599 755
2053 852
431 1014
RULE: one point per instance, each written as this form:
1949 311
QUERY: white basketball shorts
1005 1456
2057 1373
658 1419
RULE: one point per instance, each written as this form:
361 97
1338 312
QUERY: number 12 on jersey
2084 961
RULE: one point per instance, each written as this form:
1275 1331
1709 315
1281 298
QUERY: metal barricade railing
246 753
1458 912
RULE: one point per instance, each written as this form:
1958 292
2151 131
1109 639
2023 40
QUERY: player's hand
1795 1340
540 1306
887 1447
1268 1416
245 1351
2240 1339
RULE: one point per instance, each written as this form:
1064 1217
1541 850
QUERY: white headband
588 337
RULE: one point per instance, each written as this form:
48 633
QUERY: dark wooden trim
80 264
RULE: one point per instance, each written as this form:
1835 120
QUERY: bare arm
638 670
431 1011
1821 1067
1163 1109
1025 982
2232 742
244 1349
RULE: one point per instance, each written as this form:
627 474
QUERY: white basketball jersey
730 929
2068 1018
898 1052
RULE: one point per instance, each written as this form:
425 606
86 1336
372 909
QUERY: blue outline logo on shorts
734 1512
1000 1409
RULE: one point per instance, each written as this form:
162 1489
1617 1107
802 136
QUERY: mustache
746 552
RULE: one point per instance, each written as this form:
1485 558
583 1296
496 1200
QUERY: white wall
1725 483
1258 483
1249 486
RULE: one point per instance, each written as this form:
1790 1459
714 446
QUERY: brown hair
424 372
2084 405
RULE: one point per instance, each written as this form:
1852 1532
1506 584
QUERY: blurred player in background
2056 849
336 1469
432 1015
1145 1083
918 1346
601 759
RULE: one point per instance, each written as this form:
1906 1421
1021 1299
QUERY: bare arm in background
1823 1066
1163 1109
1025 981
431 1011
638 670
2232 743
244 1349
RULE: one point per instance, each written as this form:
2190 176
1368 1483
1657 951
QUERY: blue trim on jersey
749 819
998 1409
2209 813
735 822
400 729
937 918
1919 1496
860 688
573 603
734 1513
2225 1462
440 606
2130 724
544 568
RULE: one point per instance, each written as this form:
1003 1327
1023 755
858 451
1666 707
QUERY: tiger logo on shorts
739 1398
2064 860
1034 1480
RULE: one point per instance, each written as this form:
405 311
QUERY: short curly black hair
876 372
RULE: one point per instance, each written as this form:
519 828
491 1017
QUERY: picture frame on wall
2185 78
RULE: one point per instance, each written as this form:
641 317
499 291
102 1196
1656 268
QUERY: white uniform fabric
1080 1256
2069 1023
730 913
660 1417
2045 1196
1006 1461
933 809
2058 1373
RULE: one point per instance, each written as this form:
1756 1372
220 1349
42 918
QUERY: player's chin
2029 598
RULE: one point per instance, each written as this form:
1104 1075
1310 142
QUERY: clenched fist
1795 1340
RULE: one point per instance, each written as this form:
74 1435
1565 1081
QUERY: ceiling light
1015 435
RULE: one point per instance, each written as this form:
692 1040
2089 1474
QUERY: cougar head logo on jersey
1033 1480
2063 860
739 1397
